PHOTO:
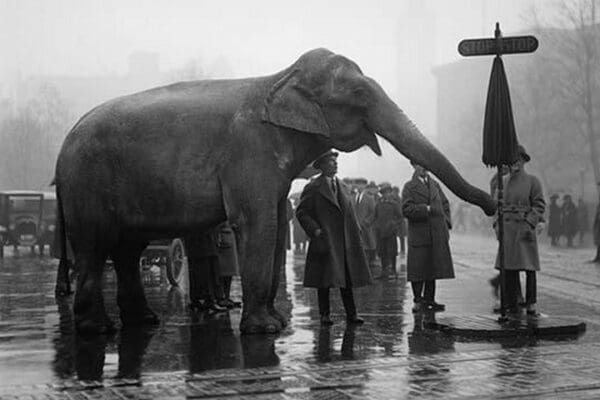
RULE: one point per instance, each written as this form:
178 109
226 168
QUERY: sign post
499 136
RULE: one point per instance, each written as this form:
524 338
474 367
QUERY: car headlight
51 228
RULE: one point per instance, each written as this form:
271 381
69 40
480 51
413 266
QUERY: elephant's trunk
393 125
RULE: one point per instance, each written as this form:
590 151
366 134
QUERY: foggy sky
395 42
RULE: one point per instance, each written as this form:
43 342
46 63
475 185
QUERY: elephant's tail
63 283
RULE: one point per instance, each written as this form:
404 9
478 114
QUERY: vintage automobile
48 225
21 216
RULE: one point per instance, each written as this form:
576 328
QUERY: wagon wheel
176 267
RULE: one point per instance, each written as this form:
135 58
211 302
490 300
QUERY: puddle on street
38 343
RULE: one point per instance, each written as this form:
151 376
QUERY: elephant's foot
278 316
95 326
260 322
145 317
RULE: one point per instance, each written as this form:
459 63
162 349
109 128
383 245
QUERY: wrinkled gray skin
182 158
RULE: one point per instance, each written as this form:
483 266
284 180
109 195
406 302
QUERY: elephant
182 158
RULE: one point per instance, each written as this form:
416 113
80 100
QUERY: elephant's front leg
279 259
259 238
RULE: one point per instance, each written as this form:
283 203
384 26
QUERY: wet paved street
391 356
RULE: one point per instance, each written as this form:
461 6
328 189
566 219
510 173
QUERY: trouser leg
597 258
402 245
511 282
531 291
417 288
429 291
348 300
323 296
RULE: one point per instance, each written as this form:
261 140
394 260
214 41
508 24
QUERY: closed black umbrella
499 135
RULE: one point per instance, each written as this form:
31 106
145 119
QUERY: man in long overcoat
335 255
523 210
428 213
364 204
554 221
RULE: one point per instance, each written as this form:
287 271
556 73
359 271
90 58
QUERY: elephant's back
170 115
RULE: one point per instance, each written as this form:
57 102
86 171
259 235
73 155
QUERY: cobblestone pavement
391 356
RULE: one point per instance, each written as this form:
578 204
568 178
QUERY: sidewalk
565 273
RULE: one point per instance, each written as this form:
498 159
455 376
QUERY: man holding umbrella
523 214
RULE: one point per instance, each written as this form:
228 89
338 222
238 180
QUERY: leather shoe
433 306
325 320
355 321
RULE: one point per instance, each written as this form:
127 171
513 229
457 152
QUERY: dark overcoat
335 258
428 255
524 208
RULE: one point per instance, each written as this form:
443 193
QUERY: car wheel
176 267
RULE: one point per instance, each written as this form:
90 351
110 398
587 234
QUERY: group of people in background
213 262
378 210
567 220
351 221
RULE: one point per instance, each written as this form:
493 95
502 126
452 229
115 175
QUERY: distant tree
31 138
578 54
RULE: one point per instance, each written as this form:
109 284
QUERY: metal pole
501 243
498 36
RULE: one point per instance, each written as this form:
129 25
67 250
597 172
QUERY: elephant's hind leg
131 299
88 307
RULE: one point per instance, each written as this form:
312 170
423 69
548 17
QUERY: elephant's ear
290 105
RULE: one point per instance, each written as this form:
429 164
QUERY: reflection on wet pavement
38 343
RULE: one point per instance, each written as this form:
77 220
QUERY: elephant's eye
359 96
